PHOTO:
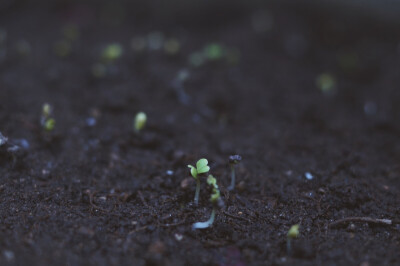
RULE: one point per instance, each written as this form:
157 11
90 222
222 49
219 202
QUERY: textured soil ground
92 192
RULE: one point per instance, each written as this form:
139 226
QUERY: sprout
214 51
201 168
140 121
46 120
112 52
292 233
216 201
233 160
326 82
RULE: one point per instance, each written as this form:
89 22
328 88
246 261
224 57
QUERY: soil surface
92 192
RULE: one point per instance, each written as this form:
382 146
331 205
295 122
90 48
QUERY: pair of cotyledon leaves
201 168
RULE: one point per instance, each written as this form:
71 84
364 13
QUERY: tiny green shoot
201 168
325 82
112 52
139 122
47 120
292 233
214 51
216 201
233 160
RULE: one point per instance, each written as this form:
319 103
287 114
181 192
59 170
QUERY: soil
92 192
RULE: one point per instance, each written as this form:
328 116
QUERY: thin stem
197 194
289 246
233 177
212 217
203 225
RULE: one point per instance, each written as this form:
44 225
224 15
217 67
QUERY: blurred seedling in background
63 47
326 83
201 168
216 201
292 234
111 53
139 122
47 120
178 85
214 52
233 160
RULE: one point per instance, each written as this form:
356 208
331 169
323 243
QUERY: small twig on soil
361 219
236 217
138 229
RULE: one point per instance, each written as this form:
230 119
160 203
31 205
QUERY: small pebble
309 176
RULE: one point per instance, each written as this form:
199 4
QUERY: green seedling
47 120
216 201
233 160
139 122
326 82
201 168
111 52
292 234
214 51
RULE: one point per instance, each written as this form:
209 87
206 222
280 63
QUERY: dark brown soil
99 194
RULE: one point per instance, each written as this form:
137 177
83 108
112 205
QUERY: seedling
46 120
139 122
201 168
214 51
216 201
292 233
326 82
233 160
112 52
